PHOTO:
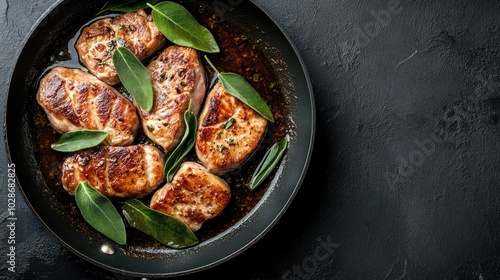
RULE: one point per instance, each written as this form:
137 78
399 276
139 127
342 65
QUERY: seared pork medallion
178 79
124 172
75 100
98 41
228 132
194 195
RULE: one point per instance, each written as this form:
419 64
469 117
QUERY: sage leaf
237 86
134 77
184 146
266 166
241 89
100 213
181 28
128 6
164 228
78 140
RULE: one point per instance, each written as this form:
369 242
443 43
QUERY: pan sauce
240 53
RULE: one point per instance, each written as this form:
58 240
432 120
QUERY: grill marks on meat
75 100
228 133
178 78
194 195
124 172
98 41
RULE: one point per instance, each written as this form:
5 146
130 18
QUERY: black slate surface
403 183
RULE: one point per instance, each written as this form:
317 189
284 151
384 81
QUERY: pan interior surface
54 208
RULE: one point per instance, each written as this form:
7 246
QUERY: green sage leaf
78 140
184 146
237 86
128 6
241 89
164 228
100 213
266 166
181 28
134 77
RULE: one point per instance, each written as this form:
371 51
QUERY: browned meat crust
98 41
132 171
194 195
178 78
75 100
228 132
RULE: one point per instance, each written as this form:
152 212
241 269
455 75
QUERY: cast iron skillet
154 260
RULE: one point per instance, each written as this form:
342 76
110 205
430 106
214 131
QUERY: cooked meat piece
229 131
178 78
75 100
132 171
98 41
194 195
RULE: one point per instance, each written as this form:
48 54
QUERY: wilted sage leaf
237 86
181 28
266 166
184 146
100 213
166 229
134 77
78 140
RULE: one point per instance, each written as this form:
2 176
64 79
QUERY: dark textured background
403 182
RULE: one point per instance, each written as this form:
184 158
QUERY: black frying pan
145 257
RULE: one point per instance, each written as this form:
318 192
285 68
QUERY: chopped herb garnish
78 140
230 142
162 77
100 212
241 39
100 62
220 147
229 123
256 77
111 45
